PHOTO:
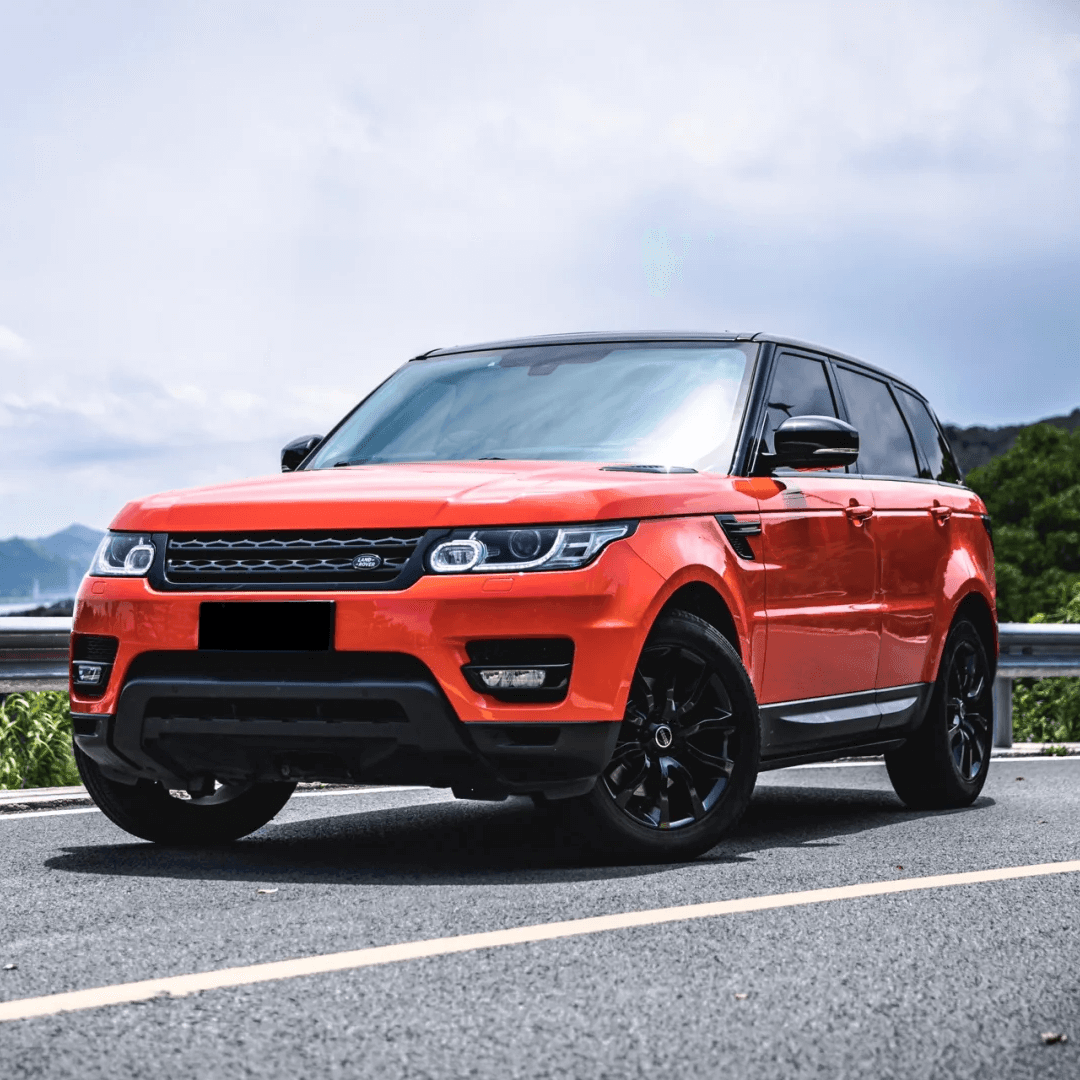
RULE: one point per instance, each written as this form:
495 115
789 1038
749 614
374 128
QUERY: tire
686 760
945 763
146 809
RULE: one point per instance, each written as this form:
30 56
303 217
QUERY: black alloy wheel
945 762
968 729
672 761
687 754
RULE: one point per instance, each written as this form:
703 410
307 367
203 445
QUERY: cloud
662 259
225 223
11 343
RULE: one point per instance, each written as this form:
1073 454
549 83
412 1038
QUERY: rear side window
800 388
935 450
885 447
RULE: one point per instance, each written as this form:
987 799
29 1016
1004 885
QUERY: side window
935 450
800 387
885 447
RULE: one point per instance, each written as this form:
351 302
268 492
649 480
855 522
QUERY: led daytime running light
500 551
124 555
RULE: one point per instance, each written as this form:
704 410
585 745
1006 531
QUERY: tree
1033 495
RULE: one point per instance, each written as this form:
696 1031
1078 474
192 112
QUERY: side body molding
794 727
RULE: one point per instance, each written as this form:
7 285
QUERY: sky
221 224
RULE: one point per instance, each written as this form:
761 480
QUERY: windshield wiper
491 457
345 461
648 468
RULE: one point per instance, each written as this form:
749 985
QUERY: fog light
513 678
89 673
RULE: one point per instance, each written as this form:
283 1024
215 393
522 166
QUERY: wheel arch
701 599
977 611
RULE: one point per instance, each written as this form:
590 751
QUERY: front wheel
686 760
945 763
150 811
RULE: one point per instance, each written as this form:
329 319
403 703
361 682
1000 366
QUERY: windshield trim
702 337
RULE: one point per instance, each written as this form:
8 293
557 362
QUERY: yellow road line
182 985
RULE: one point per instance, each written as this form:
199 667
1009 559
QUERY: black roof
659 335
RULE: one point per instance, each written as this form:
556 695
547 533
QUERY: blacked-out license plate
289 626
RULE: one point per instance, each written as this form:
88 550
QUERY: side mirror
815 442
295 452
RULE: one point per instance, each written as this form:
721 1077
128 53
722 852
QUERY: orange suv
628 571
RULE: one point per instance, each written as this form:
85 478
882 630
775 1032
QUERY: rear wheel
686 759
152 812
945 763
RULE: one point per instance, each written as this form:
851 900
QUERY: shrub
1048 710
35 741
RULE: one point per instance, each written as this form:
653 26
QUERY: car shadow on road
800 816
452 843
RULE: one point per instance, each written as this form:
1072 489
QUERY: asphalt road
954 982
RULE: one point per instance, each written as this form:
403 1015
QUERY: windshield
651 403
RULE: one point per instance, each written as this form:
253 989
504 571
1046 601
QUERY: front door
912 544
821 585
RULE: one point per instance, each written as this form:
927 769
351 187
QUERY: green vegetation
1033 495
1048 710
35 741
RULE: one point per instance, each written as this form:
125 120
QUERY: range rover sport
627 571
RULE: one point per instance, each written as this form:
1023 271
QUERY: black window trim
748 447
744 460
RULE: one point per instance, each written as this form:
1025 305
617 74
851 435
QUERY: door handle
857 515
941 514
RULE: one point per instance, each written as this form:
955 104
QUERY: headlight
553 547
123 555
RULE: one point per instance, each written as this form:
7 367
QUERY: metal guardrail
1031 651
34 653
34 656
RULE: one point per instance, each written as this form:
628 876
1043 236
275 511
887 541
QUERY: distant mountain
51 566
76 542
977 445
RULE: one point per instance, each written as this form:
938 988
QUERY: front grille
329 711
290 558
286 668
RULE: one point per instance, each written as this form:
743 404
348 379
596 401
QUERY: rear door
823 619
945 504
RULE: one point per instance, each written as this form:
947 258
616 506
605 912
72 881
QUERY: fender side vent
737 532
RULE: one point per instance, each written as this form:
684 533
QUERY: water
17 607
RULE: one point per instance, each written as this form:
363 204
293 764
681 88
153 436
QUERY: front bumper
397 659
378 718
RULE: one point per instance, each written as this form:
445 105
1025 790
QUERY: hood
433 495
